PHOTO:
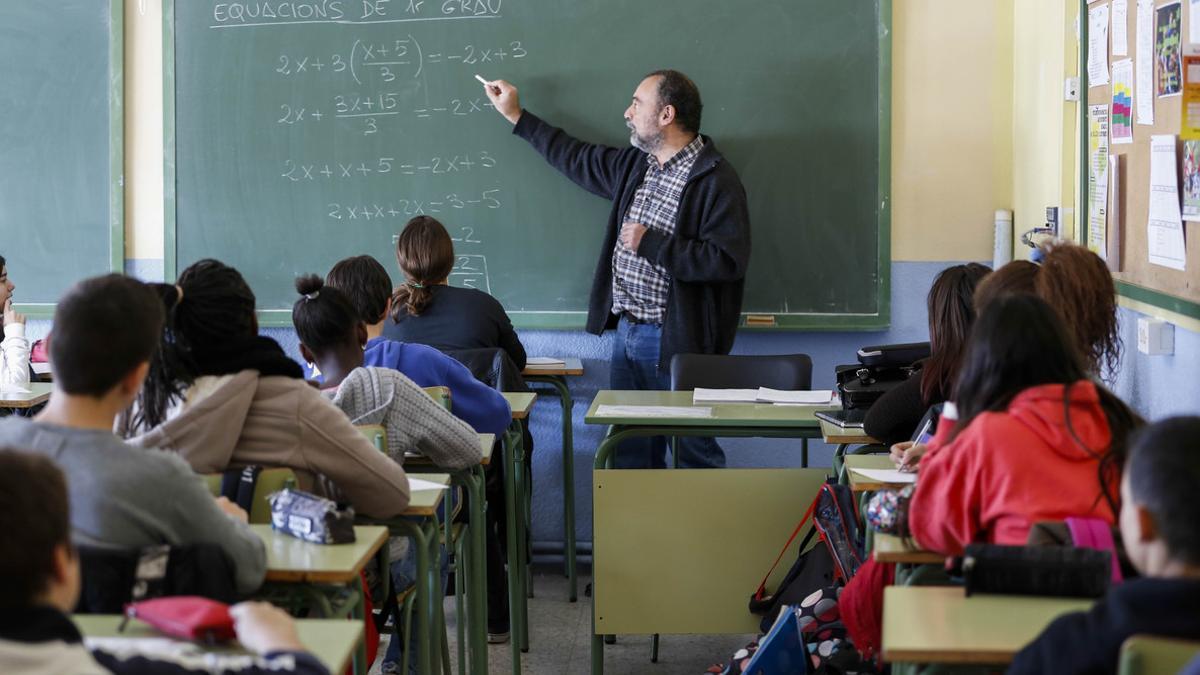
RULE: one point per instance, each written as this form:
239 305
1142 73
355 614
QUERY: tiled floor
560 640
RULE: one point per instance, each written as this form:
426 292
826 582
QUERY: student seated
14 350
105 331
427 310
1159 516
224 397
369 289
1035 438
894 417
332 336
40 583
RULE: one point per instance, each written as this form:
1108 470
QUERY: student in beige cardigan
222 397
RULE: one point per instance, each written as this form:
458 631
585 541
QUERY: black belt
633 319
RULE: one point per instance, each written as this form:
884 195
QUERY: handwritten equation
436 166
390 60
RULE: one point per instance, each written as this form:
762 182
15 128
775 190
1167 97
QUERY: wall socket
1155 336
1071 89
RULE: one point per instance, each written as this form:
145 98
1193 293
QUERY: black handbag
1058 571
879 369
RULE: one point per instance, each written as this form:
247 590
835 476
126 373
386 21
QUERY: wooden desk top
939 624
888 548
520 402
724 415
859 482
835 435
39 392
570 367
332 641
294 560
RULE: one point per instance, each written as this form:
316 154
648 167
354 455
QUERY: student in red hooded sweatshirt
1035 438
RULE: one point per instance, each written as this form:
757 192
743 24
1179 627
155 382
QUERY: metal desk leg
515 576
559 383
477 571
427 589
518 595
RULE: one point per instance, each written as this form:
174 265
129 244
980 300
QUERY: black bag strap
762 585
237 485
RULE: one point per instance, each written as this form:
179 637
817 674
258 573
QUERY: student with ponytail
224 397
427 310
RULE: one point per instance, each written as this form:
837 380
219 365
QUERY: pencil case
1058 571
311 518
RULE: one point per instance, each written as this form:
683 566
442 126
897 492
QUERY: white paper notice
1120 27
1143 96
1098 46
1164 229
1193 25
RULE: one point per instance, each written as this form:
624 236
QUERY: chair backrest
440 394
1149 655
374 433
723 371
109 577
269 481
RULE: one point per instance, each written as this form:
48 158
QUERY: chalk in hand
481 80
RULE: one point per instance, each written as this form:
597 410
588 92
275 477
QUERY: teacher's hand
504 98
631 235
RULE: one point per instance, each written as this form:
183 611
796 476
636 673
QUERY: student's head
366 283
665 102
1159 509
425 254
106 330
6 286
1077 283
1019 342
37 561
951 313
1014 278
325 320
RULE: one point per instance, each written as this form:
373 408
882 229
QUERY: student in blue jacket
677 243
367 284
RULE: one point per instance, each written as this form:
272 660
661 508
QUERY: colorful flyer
1168 66
1097 178
1190 119
1191 181
1122 102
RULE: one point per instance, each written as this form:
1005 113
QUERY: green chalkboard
308 130
61 205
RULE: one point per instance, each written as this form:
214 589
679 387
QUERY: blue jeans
635 366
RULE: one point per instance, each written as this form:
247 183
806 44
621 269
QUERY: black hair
323 316
1019 342
104 327
366 283
1163 471
3 262
677 90
210 304
35 519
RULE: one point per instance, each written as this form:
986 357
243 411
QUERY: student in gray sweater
105 331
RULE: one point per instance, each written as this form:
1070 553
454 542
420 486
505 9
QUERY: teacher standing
673 264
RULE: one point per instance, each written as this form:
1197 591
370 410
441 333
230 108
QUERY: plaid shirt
640 286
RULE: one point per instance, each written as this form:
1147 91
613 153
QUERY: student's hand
262 628
631 235
11 316
504 98
907 455
232 510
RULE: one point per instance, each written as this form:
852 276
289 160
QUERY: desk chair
1148 655
269 481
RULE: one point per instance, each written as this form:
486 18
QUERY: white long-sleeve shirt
14 355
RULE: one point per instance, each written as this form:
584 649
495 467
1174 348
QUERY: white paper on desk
1143 97
544 361
1098 46
703 395
795 397
40 368
13 390
166 649
887 475
1120 27
1164 228
417 484
652 411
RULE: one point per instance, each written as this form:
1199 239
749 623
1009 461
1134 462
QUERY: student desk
295 561
556 376
518 497
939 624
39 393
678 550
888 548
843 438
859 482
472 479
332 641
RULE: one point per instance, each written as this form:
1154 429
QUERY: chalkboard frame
116 156
880 320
